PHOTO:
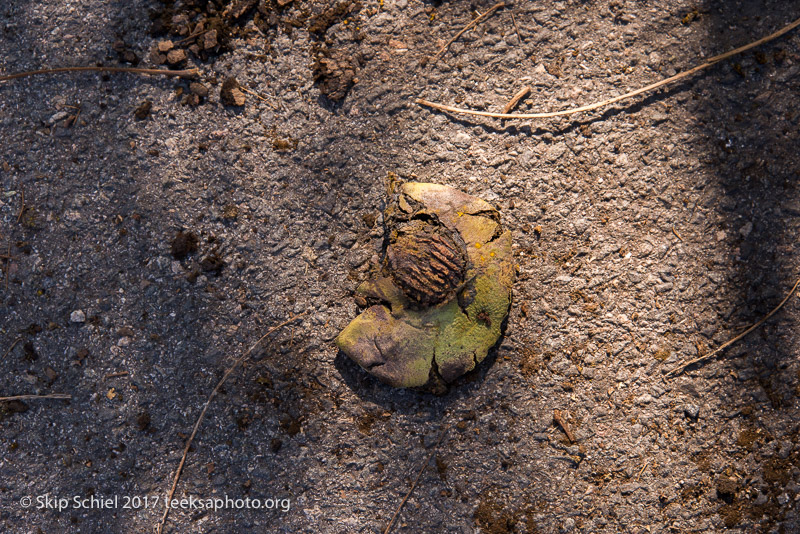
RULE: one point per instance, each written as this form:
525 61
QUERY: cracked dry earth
167 224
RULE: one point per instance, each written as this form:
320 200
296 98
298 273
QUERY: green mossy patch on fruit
407 345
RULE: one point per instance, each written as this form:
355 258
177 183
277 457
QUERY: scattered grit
167 223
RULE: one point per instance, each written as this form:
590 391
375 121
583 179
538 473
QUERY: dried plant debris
319 24
440 296
231 93
201 29
143 111
334 73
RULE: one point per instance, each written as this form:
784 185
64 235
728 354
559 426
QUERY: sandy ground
156 242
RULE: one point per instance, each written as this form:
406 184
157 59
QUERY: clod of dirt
176 56
280 144
442 293
197 94
231 93
183 244
212 263
320 23
125 53
143 111
208 41
493 517
33 329
29 352
240 7
727 488
7 409
51 374
156 58
333 73
230 212
143 421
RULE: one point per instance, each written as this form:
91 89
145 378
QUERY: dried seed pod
426 261
442 293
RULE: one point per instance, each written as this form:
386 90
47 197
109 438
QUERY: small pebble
77 317
691 411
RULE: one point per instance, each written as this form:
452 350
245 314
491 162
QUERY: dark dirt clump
183 244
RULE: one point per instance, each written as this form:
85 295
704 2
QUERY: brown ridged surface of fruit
426 261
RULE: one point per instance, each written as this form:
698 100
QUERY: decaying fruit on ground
440 296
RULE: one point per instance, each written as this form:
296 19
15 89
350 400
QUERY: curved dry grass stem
676 371
242 358
188 73
589 107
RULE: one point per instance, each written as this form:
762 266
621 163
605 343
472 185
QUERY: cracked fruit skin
417 334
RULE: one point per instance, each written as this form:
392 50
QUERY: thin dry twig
676 371
192 36
522 93
416 480
9 349
249 92
22 205
515 28
444 48
558 417
62 396
115 375
8 265
242 358
187 73
589 107
646 463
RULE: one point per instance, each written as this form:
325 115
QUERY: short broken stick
522 93
9 349
558 417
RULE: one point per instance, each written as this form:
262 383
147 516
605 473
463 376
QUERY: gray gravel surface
644 234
